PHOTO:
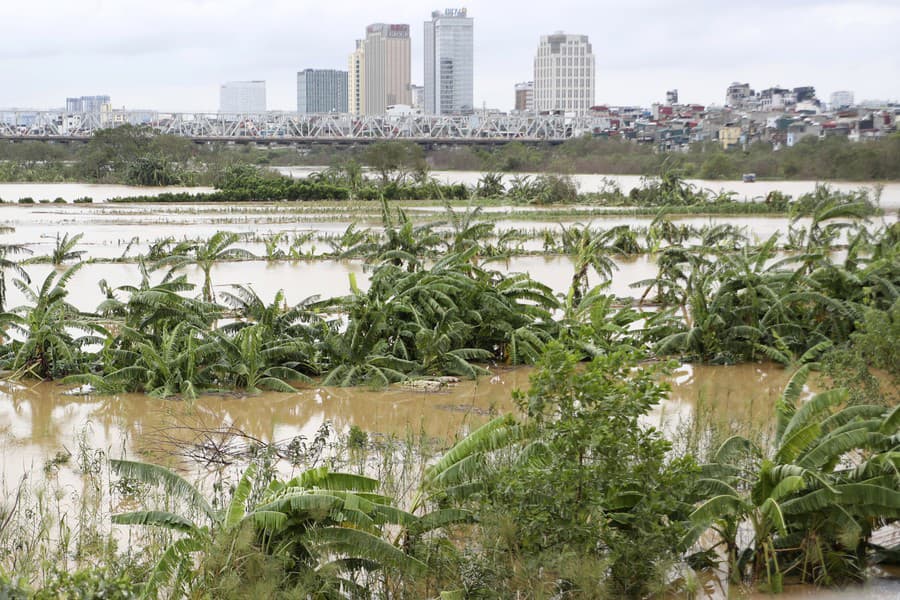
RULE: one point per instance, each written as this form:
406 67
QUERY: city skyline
171 55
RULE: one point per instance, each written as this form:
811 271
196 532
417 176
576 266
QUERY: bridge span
293 128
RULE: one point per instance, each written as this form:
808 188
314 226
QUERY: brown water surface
39 419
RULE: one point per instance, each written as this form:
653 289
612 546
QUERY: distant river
890 192
12 192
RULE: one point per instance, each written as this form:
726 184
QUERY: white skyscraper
449 62
564 74
242 97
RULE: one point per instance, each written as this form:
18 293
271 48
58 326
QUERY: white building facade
356 79
564 74
242 97
841 99
449 62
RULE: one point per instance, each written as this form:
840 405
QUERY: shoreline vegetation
572 496
406 179
135 156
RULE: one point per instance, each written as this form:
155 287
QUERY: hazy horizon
174 54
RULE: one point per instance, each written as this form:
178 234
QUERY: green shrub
92 582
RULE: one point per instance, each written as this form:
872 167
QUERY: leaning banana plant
330 525
812 501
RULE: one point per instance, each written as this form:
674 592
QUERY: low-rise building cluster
777 115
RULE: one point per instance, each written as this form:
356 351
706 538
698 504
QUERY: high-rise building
356 79
841 99
672 97
322 91
525 96
564 74
242 97
386 76
87 104
449 62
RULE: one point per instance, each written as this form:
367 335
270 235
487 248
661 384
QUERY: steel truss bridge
288 128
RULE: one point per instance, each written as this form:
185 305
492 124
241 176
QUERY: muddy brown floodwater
38 421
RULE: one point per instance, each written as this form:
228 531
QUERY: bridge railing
331 126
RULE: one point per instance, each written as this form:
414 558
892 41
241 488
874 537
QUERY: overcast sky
174 54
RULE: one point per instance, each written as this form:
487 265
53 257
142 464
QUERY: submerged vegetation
434 306
576 496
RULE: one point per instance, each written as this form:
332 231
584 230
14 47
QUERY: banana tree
7 264
326 526
48 348
815 495
205 255
248 360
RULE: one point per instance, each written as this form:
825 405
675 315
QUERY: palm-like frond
172 482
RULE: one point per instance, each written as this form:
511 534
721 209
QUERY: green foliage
321 530
152 170
591 481
810 510
719 166
743 305
88 583
47 348
394 161
490 185
876 338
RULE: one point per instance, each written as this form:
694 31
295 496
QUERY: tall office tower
356 89
321 91
242 97
564 74
525 96
387 67
449 62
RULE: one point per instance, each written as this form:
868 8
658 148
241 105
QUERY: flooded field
38 420
41 422
890 192
33 416
112 232
324 278
99 192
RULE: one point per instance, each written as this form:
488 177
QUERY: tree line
138 156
